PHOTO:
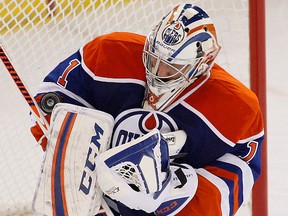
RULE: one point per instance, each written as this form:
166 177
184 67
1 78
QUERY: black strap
181 176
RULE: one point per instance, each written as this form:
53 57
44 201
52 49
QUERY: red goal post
39 34
258 85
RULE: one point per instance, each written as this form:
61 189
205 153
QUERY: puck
48 102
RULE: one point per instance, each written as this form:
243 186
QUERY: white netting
130 173
38 34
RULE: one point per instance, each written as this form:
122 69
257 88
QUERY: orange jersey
222 117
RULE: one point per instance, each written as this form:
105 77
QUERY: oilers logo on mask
173 34
134 123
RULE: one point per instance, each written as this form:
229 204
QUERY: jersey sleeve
223 186
226 144
225 183
106 74
101 73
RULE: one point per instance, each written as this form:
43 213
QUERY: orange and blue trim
57 180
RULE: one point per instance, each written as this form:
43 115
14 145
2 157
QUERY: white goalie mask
179 50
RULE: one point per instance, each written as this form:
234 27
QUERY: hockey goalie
148 125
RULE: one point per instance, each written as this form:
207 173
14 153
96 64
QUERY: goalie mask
179 50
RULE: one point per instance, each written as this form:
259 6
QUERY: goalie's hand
137 173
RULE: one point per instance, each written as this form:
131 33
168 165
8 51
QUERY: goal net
39 34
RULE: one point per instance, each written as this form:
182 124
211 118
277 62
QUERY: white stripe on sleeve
247 175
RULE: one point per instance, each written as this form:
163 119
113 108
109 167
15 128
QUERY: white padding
68 184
